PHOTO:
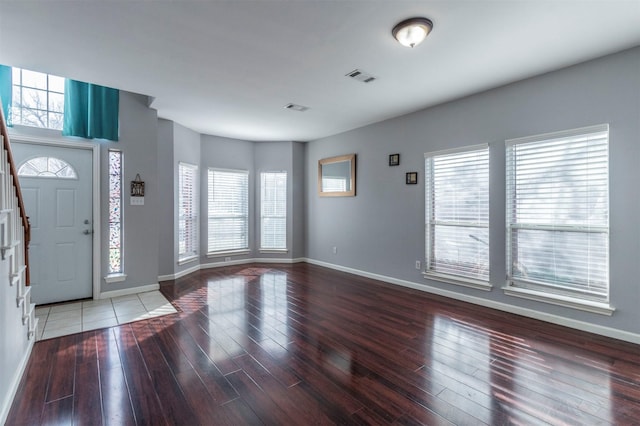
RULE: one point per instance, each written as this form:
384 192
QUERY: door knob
87 232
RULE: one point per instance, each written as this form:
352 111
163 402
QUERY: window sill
274 251
556 299
228 253
476 284
115 278
187 260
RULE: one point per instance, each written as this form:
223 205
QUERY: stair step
5 249
22 297
16 275
29 314
33 328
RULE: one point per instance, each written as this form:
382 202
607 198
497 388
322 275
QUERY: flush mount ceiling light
411 32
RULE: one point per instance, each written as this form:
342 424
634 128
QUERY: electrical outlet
418 266
227 259
335 250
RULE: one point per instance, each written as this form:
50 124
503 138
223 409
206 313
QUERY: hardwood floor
301 345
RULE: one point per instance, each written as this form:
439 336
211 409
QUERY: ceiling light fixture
411 32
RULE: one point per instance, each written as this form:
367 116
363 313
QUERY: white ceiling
228 68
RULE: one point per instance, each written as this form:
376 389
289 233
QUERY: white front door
56 185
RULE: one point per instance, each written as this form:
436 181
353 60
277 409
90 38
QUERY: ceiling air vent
296 107
361 76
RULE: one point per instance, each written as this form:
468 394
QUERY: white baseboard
228 263
128 291
15 382
180 274
246 261
530 313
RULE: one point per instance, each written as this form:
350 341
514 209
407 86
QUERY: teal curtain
5 91
90 111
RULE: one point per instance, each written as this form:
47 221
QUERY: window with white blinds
457 215
558 213
228 207
188 239
273 210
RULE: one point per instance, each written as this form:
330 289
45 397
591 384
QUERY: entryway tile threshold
77 316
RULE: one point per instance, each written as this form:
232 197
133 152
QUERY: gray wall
381 230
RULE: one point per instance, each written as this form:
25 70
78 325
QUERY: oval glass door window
47 167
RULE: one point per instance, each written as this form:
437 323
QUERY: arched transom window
47 167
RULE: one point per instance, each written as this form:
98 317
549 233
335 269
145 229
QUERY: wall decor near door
137 187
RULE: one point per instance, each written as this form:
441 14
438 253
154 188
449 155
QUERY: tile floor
74 317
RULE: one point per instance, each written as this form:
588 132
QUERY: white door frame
95 148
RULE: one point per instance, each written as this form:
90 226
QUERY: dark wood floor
301 345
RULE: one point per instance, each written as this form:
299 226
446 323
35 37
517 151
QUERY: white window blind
558 213
188 240
228 207
273 210
457 214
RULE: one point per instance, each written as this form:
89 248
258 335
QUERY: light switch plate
137 201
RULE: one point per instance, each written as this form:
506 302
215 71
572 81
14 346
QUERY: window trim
284 249
190 255
238 250
228 253
439 276
114 276
41 175
543 292
185 260
560 300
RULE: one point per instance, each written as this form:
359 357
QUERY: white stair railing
15 233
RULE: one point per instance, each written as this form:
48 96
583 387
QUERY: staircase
14 234
18 323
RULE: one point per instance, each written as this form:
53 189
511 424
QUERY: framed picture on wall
412 178
394 160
